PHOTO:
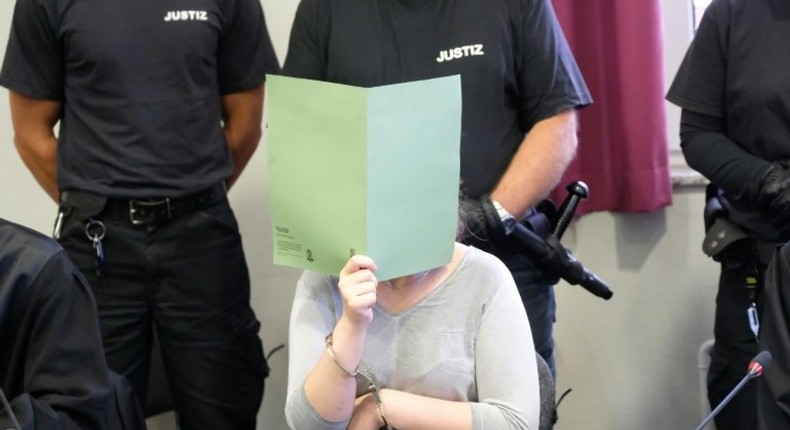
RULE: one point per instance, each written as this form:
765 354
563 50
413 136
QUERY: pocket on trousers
219 216
249 344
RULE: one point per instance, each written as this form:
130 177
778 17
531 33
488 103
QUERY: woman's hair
466 207
462 230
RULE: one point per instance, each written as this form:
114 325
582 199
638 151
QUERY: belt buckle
148 211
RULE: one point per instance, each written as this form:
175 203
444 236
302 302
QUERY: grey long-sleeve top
468 340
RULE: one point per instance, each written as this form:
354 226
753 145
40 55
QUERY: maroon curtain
623 154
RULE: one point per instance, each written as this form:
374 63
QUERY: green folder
372 171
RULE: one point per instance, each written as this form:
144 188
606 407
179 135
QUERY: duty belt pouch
720 233
85 205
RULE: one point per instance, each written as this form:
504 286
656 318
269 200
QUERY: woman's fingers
357 277
356 263
358 287
361 296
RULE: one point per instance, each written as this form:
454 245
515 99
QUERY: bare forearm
242 115
408 411
328 388
538 164
41 159
34 137
241 147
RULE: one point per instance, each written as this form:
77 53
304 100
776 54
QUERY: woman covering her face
447 348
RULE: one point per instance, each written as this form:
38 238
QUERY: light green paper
371 171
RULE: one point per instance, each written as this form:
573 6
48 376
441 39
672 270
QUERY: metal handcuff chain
367 373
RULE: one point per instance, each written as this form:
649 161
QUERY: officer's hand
773 196
480 220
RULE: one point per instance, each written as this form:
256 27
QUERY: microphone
759 363
756 367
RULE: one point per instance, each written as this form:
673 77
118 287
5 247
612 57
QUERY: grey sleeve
506 369
312 318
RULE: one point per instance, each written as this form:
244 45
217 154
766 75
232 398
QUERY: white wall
677 34
630 361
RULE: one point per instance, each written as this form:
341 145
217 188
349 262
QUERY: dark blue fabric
51 365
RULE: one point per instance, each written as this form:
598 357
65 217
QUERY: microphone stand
726 400
756 366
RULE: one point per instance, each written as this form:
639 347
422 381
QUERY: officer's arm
538 164
242 113
708 150
34 137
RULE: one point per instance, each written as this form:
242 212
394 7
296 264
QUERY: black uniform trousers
187 278
735 342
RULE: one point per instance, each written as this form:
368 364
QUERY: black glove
480 221
773 193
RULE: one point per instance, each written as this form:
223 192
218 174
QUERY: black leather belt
147 211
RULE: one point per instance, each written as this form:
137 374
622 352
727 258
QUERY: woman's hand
358 289
366 414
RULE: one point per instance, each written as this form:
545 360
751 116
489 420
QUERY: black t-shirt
516 68
140 83
736 69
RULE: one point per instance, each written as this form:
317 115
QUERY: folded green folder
371 171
